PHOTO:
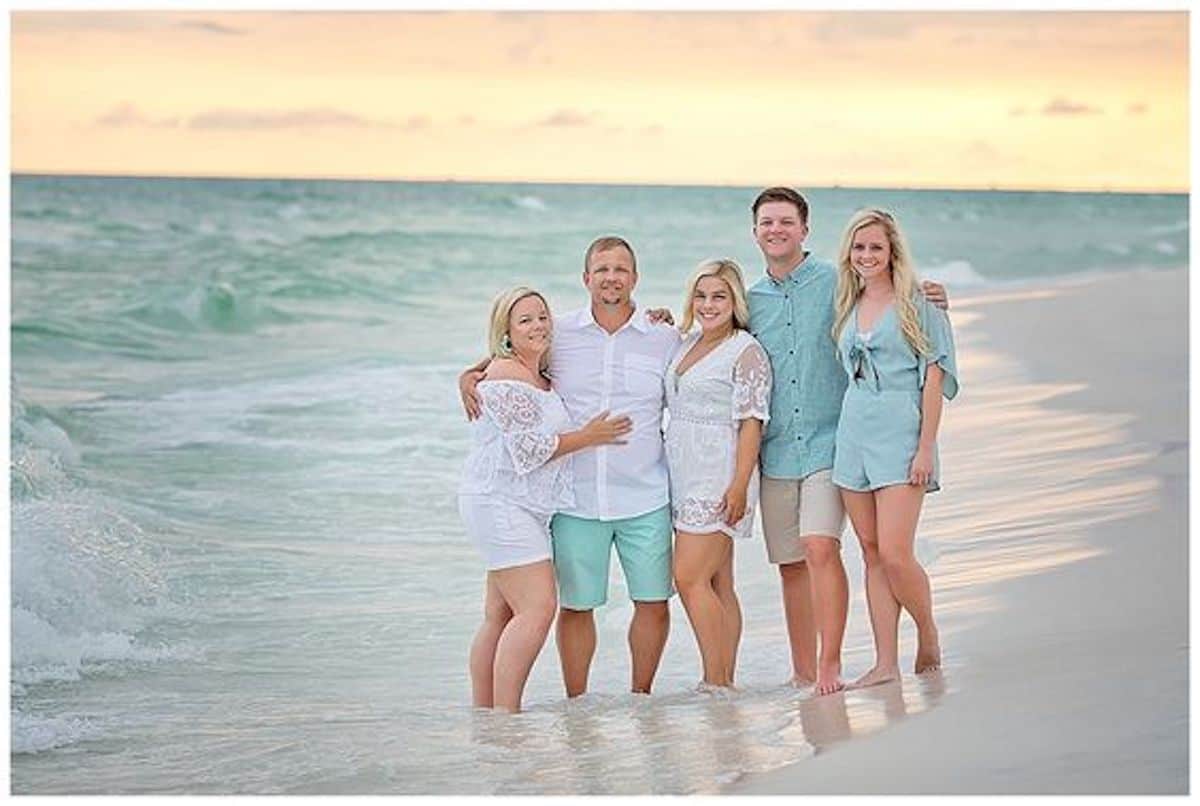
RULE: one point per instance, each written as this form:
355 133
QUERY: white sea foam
34 734
529 202
1165 248
954 273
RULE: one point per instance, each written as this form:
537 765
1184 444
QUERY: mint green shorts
583 548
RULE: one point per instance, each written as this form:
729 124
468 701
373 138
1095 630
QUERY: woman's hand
733 503
921 470
605 430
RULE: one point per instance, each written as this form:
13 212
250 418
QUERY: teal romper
881 411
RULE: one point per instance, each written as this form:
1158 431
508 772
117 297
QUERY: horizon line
615 183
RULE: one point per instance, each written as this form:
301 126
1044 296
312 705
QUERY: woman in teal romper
898 351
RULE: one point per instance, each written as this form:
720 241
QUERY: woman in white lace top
516 476
718 396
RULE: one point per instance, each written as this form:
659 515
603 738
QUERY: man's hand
657 315
936 293
466 389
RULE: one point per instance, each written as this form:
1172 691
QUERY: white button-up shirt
622 373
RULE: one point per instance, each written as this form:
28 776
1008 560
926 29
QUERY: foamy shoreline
1077 682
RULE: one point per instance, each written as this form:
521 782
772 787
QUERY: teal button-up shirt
792 319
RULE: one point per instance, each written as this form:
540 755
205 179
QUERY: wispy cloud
272 119
848 27
210 27
1137 109
565 118
1062 106
417 123
126 115
1017 111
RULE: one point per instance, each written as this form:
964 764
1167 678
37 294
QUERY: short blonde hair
499 344
731 273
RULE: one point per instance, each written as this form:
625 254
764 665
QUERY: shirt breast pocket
643 375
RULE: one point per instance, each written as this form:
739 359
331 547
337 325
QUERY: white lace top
706 404
512 444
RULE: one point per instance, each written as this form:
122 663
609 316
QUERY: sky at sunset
1063 100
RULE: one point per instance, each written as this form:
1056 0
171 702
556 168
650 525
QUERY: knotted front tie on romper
880 423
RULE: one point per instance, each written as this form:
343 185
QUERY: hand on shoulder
507 369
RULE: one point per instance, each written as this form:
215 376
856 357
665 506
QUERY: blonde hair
731 273
904 278
499 343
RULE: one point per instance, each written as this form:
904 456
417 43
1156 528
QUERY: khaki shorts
797 508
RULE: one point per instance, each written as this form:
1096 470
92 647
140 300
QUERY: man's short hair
780 194
605 243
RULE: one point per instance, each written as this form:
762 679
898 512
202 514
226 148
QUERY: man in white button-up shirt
609 357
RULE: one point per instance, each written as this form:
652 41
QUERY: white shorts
506 534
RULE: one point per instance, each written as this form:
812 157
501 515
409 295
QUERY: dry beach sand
1073 675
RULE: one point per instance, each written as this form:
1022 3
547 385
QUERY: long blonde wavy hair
904 278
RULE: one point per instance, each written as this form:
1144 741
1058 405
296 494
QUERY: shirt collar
791 275
638 321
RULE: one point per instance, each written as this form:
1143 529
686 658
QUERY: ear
585 278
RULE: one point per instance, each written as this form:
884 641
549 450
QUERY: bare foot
800 681
829 679
929 654
877 677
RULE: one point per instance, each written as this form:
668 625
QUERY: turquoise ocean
237 563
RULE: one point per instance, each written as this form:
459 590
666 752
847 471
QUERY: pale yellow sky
920 99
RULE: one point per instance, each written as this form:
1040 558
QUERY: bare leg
576 638
697 559
898 509
881 603
530 592
831 601
801 627
496 615
723 584
647 636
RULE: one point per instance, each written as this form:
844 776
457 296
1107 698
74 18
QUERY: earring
506 343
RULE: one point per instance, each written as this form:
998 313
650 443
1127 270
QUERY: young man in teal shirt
791 315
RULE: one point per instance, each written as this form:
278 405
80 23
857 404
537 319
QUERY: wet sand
1074 677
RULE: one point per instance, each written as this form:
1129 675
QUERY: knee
654 613
542 611
821 552
870 554
895 558
688 581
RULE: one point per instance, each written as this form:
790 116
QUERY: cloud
566 118
1137 109
1061 106
417 123
266 119
981 149
466 120
653 129
1017 111
126 115
847 27
207 26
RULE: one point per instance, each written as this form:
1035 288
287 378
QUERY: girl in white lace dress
718 396
516 476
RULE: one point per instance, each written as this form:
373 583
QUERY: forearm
571 441
931 406
748 440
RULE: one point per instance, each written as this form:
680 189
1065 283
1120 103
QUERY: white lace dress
705 405
510 486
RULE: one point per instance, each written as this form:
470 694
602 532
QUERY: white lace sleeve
752 384
518 414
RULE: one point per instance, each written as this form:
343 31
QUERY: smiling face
529 326
871 252
610 276
712 305
779 232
